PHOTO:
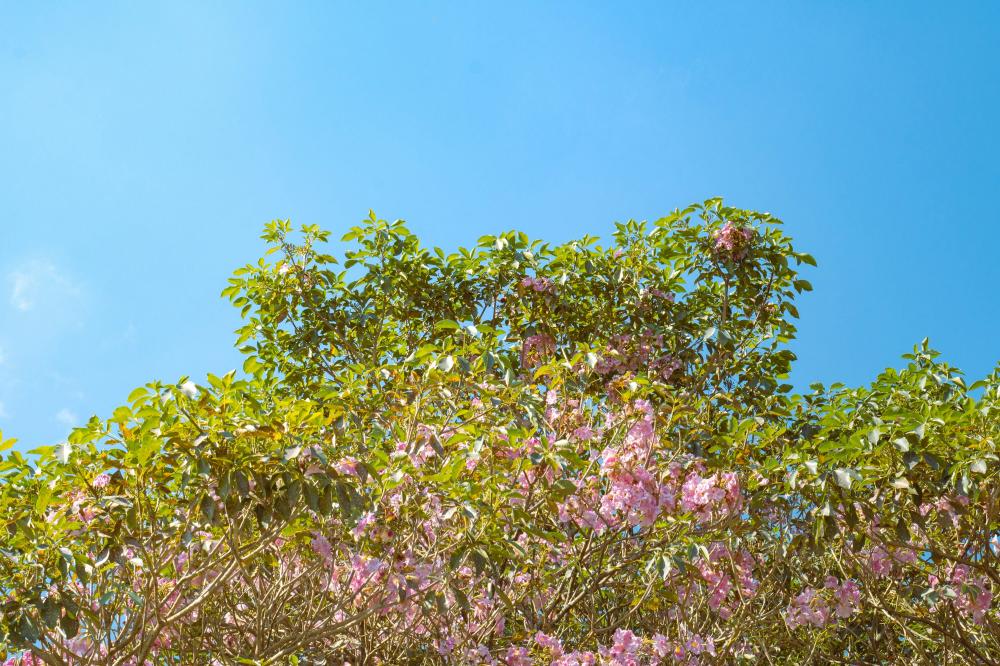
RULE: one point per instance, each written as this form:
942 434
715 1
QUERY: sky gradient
143 146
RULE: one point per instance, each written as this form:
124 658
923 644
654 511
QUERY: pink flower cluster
638 353
536 349
27 659
420 449
846 595
807 608
634 495
717 572
659 293
626 649
711 497
733 240
79 507
882 562
567 416
539 284
636 492
974 594
947 507
811 607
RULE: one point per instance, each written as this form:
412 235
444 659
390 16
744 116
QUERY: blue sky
143 146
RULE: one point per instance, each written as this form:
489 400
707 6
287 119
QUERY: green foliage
431 456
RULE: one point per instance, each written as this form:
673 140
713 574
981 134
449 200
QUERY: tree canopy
518 453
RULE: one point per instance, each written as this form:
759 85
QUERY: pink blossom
540 284
554 645
661 646
697 645
347 466
975 596
322 547
536 349
879 562
711 497
446 646
625 649
518 656
364 523
733 240
847 596
807 608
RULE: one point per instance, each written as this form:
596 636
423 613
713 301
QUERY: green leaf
43 498
563 488
138 394
251 365
50 611
208 508
902 530
27 632
147 447
70 625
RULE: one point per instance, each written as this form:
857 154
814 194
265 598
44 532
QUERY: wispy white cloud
19 295
67 417
40 283
3 355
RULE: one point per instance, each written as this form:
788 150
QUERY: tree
514 454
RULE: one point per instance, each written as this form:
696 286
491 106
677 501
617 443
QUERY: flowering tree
516 454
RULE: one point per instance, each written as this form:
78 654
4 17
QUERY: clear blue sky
143 146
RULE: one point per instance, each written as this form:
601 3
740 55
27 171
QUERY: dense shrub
515 454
